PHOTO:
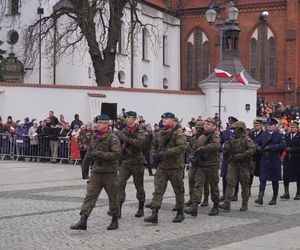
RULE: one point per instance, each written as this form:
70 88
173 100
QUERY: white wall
35 102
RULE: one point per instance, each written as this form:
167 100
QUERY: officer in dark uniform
255 134
228 133
270 144
291 169
104 152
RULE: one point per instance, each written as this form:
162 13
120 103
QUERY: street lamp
211 15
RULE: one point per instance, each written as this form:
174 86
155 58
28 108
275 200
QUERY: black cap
271 121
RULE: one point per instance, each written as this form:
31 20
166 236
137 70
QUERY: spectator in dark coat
76 121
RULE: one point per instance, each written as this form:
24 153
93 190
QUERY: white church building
147 82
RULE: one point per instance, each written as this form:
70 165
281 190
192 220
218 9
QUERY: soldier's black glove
266 148
258 150
91 155
122 137
158 156
288 150
238 156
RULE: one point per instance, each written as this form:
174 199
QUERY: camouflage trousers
192 173
137 172
98 181
234 174
162 176
211 175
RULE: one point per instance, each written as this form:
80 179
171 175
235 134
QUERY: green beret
102 118
168 115
130 113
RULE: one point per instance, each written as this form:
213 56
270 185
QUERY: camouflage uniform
239 150
132 163
106 152
206 169
83 141
170 168
192 172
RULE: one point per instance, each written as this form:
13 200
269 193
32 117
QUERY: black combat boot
114 223
179 216
215 210
149 205
273 200
225 205
234 197
81 224
188 203
286 194
205 202
244 206
153 218
260 200
140 211
192 210
174 209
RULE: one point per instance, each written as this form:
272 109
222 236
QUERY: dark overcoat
272 146
257 156
291 163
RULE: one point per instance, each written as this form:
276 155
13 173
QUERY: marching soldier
167 151
291 170
192 146
132 139
104 151
205 162
270 144
228 133
239 150
255 135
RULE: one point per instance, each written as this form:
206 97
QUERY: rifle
199 155
126 151
156 160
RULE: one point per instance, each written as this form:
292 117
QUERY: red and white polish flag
241 78
222 74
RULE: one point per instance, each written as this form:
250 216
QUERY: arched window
145 46
272 58
197 59
253 57
189 65
205 60
198 42
121 43
262 55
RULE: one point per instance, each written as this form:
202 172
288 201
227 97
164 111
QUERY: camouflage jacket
132 147
108 152
208 146
239 149
174 149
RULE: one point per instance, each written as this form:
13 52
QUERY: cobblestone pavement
38 202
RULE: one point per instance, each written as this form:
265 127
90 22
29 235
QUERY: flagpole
220 81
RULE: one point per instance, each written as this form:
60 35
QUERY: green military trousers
97 182
192 173
203 174
137 172
162 176
241 174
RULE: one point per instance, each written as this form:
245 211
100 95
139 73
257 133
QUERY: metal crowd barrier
38 148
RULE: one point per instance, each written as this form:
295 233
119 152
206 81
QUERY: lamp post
211 15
